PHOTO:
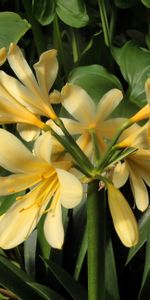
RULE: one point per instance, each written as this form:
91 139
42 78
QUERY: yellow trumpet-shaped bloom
135 166
49 189
89 117
30 91
123 218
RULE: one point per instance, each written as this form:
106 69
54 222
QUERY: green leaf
95 79
146 3
17 281
144 224
69 283
30 253
72 12
7 201
45 292
125 3
43 11
12 28
134 63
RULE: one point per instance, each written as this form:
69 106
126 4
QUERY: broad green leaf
76 291
72 12
12 28
95 79
146 3
43 11
144 224
30 253
45 292
134 64
126 3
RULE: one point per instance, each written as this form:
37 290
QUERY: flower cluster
67 153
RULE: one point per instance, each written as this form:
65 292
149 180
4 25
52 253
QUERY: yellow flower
136 166
89 117
49 189
123 218
32 93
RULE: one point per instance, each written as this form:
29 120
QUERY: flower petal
43 147
3 55
138 188
71 190
17 223
46 70
53 228
15 183
10 88
14 156
21 68
120 175
107 104
28 132
78 103
123 217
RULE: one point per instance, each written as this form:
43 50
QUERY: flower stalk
96 242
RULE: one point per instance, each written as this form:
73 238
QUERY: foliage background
101 45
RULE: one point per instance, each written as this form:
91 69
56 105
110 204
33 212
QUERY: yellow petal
53 228
16 183
46 70
15 157
25 74
71 190
107 104
43 147
3 56
78 103
139 189
10 88
123 218
17 223
120 174
28 132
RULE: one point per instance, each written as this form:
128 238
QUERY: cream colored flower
31 92
123 218
49 189
136 166
89 117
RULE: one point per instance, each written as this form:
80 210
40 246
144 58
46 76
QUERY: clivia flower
29 91
89 117
49 189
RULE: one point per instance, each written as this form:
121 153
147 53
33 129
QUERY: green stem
35 26
96 242
76 149
104 21
95 147
111 149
